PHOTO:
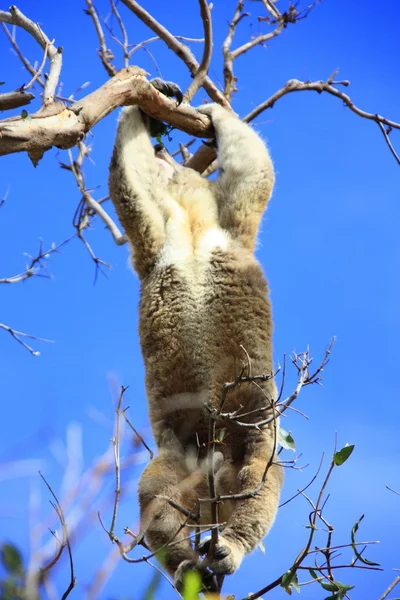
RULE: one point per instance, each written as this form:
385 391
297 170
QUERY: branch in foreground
64 127
65 543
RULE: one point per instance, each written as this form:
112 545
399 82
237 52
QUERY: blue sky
329 245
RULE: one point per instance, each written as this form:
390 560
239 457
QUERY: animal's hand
215 111
168 88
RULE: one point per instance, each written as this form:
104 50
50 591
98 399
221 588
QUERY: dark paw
168 88
208 581
219 550
226 556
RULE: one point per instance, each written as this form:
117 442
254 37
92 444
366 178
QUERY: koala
204 311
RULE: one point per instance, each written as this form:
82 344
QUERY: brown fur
203 299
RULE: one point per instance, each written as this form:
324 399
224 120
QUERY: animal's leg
252 517
166 528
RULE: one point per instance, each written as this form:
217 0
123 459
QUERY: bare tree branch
18 335
15 99
60 513
64 127
202 71
390 588
294 85
37 266
157 38
182 51
106 56
125 42
76 168
16 17
230 80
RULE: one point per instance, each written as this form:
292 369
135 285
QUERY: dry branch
15 99
64 127
16 17
202 71
182 51
104 53
295 85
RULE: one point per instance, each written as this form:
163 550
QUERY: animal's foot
208 580
226 557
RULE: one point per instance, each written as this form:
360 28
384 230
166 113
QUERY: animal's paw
208 580
226 557
168 88
214 110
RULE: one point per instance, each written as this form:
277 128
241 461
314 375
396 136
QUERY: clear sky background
330 247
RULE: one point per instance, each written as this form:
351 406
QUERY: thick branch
64 127
16 99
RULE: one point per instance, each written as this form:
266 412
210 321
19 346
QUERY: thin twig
39 70
157 38
116 440
140 438
17 337
390 588
202 71
299 492
230 80
125 41
105 54
76 167
294 85
37 264
392 490
60 513
28 66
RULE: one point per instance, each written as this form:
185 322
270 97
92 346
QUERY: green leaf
285 440
336 586
342 455
221 434
314 575
289 581
354 546
191 585
11 558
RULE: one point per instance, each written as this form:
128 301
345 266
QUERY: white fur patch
213 238
186 401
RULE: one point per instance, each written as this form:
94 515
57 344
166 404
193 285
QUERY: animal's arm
246 174
135 189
